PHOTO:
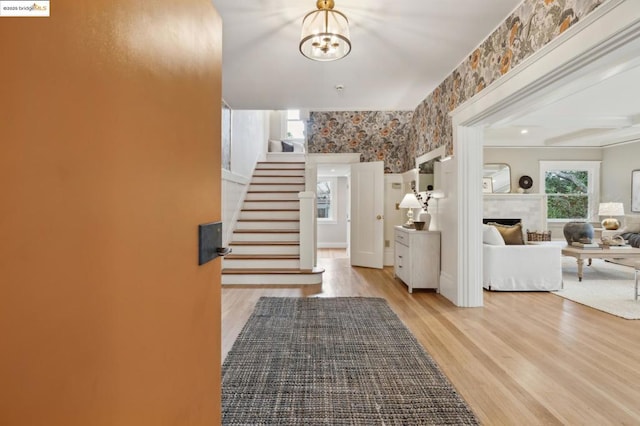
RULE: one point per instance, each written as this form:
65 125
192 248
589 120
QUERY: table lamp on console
410 202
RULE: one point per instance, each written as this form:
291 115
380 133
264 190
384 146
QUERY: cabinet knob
379 217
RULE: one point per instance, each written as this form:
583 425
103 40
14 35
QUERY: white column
468 153
307 229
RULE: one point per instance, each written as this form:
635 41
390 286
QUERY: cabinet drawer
402 262
402 238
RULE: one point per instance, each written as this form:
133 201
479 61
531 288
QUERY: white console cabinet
417 258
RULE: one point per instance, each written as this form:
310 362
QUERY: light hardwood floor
522 359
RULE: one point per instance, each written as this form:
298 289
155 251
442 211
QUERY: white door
367 209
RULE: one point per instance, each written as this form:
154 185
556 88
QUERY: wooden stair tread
277 183
266 231
280 176
270 210
270 271
264 243
271 201
263 256
281 162
268 220
273 192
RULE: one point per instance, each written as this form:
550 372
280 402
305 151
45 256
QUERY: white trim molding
604 43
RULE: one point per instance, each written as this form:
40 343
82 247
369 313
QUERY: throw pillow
491 236
287 147
512 234
275 146
298 146
631 223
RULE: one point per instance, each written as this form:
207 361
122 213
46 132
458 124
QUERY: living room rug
334 361
605 286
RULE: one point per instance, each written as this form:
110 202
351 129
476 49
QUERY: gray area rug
334 361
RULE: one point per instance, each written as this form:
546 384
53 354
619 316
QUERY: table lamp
410 202
611 209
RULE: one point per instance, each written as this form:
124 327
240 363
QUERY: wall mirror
428 167
496 178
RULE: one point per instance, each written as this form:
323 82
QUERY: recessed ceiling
401 50
603 114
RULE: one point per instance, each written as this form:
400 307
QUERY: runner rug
334 361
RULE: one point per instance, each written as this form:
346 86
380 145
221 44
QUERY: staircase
266 241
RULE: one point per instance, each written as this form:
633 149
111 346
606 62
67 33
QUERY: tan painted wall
110 136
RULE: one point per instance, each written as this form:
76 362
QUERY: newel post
307 229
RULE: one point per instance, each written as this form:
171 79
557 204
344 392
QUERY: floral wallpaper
397 137
377 135
531 26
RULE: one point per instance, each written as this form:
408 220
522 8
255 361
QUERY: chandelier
325 33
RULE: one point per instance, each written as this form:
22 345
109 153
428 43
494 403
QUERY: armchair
530 267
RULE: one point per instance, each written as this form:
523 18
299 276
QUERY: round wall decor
525 182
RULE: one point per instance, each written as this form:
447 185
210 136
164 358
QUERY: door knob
379 217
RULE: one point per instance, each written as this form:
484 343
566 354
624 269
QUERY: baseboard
389 258
449 287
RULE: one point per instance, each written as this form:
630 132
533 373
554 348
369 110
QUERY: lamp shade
611 209
410 202
325 33
437 193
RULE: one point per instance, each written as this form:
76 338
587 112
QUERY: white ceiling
603 114
401 50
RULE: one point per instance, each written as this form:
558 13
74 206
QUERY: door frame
311 180
605 41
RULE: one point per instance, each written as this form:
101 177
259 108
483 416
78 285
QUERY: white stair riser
267 225
288 157
266 237
271 279
275 188
277 165
261 263
274 215
275 172
286 196
271 205
278 179
273 249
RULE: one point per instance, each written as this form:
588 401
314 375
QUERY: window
326 199
294 125
572 189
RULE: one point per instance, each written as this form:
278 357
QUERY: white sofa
530 267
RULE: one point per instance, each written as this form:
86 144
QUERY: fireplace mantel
530 208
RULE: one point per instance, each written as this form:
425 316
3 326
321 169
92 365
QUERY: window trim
333 188
285 126
592 167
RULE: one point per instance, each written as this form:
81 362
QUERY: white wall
615 175
334 235
617 164
277 130
526 161
249 134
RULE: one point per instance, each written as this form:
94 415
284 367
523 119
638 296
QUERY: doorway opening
333 202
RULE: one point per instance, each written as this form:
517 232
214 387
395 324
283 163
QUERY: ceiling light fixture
524 131
325 33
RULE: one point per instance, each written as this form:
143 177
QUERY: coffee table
631 254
